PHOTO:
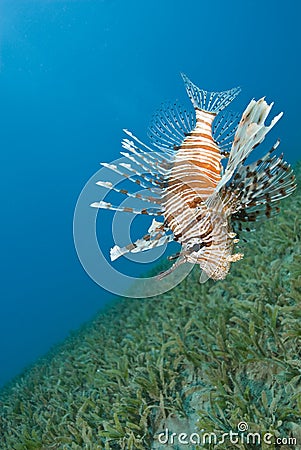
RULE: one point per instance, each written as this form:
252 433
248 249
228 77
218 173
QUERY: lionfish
203 203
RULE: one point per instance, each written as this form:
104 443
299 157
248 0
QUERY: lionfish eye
197 247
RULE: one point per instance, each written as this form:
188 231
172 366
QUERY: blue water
72 75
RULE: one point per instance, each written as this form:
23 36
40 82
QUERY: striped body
195 172
202 205
194 176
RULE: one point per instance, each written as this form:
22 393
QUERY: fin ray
147 211
224 128
138 177
213 102
259 186
157 236
169 126
251 132
137 195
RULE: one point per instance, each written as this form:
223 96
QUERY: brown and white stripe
201 205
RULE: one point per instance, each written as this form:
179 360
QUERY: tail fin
213 102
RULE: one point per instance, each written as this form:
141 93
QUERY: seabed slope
200 357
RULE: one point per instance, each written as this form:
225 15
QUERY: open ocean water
73 74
